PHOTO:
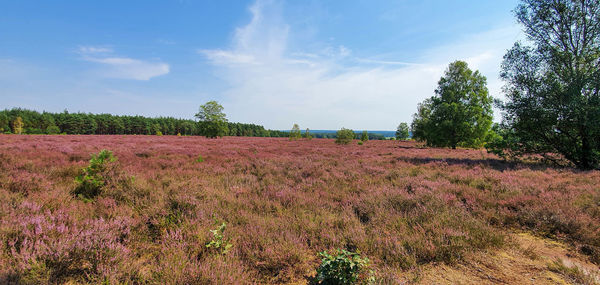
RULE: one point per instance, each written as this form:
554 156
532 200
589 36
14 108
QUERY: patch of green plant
344 267
200 158
344 136
92 179
219 242
360 142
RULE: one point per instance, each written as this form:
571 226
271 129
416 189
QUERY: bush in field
344 136
219 243
364 137
295 132
93 178
344 267
307 135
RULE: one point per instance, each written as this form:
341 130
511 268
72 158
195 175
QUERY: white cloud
94 49
276 88
122 67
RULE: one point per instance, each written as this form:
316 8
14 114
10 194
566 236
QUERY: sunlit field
402 206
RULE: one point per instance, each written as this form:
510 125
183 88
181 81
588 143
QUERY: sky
362 64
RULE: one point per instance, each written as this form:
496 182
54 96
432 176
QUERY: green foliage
344 136
107 124
552 90
18 126
4 123
364 137
402 132
460 114
213 123
307 135
200 158
344 267
360 142
93 177
219 243
295 132
52 130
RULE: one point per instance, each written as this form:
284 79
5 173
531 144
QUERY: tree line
23 121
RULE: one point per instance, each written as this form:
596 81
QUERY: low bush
94 176
344 136
345 267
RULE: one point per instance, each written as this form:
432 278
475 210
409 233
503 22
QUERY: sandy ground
530 260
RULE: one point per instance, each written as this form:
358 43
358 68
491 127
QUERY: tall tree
460 114
4 123
553 83
18 126
307 134
213 123
295 132
402 132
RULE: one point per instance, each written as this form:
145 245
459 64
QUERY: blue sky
321 64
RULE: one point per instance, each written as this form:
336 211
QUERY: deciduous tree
213 122
402 132
460 113
18 126
295 132
553 83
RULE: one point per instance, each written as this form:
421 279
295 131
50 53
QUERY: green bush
52 130
344 136
364 137
360 142
344 267
94 178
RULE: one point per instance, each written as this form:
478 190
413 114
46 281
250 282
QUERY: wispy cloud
94 49
331 89
122 67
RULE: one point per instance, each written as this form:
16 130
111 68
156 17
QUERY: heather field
408 209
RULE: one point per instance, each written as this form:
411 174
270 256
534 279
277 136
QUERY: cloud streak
112 66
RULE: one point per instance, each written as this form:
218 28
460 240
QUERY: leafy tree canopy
212 120
460 114
553 83
402 132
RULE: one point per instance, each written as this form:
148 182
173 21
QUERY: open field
420 215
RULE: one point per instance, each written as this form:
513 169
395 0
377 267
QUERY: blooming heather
283 201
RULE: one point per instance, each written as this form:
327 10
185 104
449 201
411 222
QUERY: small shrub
344 268
92 180
364 137
344 136
52 130
360 142
200 158
219 243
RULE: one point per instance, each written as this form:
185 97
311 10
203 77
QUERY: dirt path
532 260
